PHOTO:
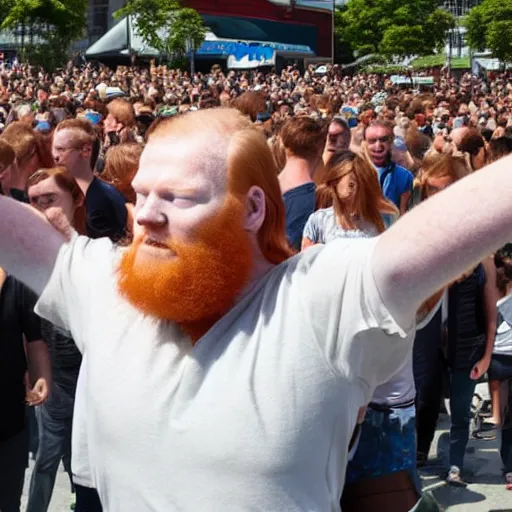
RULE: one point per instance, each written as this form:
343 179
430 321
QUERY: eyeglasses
382 140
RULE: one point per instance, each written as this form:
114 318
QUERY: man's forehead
62 134
188 161
377 131
43 187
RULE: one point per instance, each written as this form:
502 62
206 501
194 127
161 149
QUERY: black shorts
500 367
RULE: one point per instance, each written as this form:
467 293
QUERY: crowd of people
241 290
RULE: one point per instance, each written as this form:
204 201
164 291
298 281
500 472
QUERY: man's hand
38 394
59 221
480 368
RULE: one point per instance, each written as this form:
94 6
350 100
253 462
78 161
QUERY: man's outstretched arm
442 238
28 244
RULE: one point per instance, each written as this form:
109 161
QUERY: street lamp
189 48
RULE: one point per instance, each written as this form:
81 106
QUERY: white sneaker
454 477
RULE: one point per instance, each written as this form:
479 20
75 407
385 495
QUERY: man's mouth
153 242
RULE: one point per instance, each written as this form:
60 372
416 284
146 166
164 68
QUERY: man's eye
183 202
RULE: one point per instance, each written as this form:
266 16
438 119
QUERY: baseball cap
263 116
93 117
43 126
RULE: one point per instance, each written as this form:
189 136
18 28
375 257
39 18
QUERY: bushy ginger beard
200 282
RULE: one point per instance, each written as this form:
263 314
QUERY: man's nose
150 215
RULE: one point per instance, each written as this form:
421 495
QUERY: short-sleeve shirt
106 211
322 227
395 180
17 319
259 411
299 203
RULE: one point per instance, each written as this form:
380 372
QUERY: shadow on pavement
449 496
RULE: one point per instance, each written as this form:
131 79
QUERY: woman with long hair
471 326
439 170
121 165
349 202
351 205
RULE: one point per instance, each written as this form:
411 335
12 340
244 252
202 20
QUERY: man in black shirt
73 146
18 321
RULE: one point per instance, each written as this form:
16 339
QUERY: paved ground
483 472
62 497
485 492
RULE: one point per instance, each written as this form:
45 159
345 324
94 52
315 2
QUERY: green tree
67 18
57 23
489 26
393 27
166 26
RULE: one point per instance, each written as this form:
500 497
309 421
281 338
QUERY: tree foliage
393 27
65 19
47 27
166 25
489 26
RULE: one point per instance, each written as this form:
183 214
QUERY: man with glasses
395 180
76 146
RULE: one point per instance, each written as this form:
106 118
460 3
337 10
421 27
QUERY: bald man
223 373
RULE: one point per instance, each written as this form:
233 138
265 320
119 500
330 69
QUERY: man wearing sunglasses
395 180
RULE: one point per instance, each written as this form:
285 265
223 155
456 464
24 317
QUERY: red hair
249 163
121 165
27 142
370 203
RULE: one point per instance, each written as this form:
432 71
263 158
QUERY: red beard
198 285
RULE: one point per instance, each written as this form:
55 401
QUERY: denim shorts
500 367
387 444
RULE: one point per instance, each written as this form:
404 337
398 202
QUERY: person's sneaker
454 477
508 481
421 459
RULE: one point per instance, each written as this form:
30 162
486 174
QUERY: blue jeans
55 419
462 389
387 445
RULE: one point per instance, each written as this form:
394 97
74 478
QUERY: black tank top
466 321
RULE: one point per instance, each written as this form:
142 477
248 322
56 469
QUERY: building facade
304 22
459 7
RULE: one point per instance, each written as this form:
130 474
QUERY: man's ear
86 151
255 209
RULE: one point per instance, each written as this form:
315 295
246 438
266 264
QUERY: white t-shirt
259 413
503 340
79 451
